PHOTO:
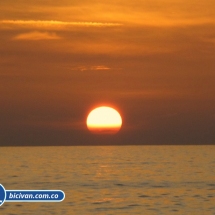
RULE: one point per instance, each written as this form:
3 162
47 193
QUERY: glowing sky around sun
152 59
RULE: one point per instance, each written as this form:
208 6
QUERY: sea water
113 180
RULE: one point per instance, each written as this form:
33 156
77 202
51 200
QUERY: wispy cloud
91 68
153 94
99 68
36 35
55 23
53 124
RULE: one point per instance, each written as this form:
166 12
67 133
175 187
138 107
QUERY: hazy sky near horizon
152 60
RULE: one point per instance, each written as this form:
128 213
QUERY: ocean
112 180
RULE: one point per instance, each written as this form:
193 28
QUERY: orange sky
153 60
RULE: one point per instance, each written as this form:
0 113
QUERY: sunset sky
152 60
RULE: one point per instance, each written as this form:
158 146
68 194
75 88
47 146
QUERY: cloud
91 68
55 23
209 40
52 124
36 35
99 68
153 94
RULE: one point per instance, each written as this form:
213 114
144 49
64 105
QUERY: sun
104 120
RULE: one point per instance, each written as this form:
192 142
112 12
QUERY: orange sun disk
104 120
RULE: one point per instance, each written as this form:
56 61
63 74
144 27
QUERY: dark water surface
109 180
